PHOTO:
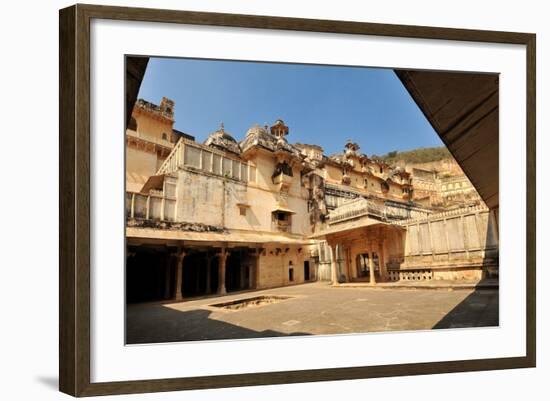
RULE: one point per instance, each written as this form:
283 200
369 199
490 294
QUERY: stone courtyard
310 309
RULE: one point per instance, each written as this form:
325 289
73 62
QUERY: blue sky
324 105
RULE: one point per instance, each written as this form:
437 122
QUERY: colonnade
348 271
222 256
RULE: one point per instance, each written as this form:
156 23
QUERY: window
242 210
282 221
164 136
282 168
244 172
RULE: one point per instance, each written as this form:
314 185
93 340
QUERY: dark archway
146 275
237 273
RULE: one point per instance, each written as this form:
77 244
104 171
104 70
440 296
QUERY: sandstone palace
254 210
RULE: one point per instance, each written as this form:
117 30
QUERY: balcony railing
150 207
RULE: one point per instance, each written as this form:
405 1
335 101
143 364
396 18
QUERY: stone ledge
176 226
428 285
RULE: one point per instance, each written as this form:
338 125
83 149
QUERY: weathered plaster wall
200 199
333 174
275 263
141 162
265 166
217 200
148 127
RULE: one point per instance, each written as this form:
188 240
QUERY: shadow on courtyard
479 309
164 324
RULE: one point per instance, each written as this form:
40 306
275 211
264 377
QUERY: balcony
282 179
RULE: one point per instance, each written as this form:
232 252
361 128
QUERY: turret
167 107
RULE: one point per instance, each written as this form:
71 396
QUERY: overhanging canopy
463 109
233 236
350 226
283 209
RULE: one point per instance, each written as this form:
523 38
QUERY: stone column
345 258
208 288
222 258
180 255
333 265
167 276
349 265
197 279
372 278
242 276
255 270
382 259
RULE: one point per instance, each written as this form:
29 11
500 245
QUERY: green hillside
420 155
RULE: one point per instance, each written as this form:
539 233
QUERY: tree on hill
420 155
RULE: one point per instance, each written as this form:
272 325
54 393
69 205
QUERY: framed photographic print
250 200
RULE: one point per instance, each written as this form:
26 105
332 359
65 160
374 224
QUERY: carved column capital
180 254
223 254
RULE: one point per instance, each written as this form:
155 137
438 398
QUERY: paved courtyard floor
314 308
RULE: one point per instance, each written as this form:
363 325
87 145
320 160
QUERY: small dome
223 141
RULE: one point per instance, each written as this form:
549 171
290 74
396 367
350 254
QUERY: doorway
306 271
362 263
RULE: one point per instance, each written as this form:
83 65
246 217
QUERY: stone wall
152 128
324 257
141 162
236 194
460 244
275 263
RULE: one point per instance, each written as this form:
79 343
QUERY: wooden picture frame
74 204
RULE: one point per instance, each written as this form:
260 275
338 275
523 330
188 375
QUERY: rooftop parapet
166 108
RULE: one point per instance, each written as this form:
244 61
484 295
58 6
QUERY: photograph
268 200
271 199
